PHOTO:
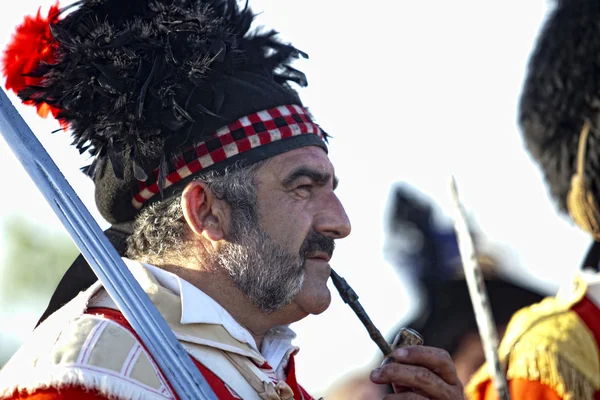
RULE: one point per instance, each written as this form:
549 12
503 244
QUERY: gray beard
269 275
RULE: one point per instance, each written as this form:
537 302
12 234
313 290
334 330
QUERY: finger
417 378
405 396
434 359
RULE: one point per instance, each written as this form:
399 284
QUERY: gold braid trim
548 343
581 203
559 352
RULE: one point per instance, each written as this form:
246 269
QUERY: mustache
317 243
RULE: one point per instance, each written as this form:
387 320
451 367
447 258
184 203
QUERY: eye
304 189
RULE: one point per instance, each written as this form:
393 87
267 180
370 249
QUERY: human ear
202 211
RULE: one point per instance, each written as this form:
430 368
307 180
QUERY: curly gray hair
161 234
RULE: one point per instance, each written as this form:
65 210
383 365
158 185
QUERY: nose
332 219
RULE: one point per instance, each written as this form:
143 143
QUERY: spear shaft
479 297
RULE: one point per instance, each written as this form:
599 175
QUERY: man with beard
552 349
207 161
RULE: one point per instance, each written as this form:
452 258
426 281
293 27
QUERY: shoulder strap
213 380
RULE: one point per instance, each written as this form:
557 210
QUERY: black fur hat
561 93
159 91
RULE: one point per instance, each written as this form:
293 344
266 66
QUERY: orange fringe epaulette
548 343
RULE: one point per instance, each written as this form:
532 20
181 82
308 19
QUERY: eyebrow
318 177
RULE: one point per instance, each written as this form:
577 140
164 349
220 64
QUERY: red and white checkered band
245 134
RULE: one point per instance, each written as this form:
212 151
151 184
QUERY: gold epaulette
548 343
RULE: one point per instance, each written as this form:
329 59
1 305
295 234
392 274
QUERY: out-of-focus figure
429 253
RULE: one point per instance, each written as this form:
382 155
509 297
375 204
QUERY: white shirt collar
198 307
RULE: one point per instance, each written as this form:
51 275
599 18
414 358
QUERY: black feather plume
128 73
561 92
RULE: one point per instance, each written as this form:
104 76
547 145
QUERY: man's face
279 246
301 214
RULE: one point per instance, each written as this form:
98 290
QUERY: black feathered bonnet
561 92
560 95
160 91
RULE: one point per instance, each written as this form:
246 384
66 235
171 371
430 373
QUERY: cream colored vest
73 348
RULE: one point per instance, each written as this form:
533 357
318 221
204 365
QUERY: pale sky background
412 91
